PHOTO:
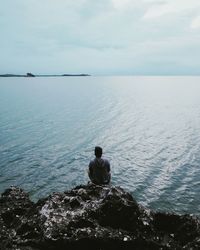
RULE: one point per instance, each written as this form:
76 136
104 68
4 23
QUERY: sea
148 127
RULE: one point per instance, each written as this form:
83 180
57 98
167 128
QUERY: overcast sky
100 37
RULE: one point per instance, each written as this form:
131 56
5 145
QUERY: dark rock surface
90 217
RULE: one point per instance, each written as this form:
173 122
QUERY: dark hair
98 151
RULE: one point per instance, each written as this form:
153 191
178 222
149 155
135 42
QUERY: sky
100 37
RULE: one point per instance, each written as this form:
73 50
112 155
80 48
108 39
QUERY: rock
90 217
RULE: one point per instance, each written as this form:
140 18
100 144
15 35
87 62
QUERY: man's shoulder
92 162
103 161
106 161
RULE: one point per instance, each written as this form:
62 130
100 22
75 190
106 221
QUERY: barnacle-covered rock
91 217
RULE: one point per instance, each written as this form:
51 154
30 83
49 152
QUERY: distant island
75 75
32 75
14 75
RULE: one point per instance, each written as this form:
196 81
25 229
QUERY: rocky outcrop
90 217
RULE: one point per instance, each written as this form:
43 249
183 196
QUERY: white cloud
171 7
118 4
109 34
196 23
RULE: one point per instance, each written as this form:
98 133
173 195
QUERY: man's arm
108 166
108 169
90 171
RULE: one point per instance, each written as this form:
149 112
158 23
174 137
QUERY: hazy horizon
108 37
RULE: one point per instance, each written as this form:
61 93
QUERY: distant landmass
75 75
32 75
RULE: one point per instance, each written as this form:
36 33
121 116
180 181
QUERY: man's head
98 152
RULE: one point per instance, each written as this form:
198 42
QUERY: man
99 169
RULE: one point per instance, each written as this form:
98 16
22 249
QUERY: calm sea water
149 128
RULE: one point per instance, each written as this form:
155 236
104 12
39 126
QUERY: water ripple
148 126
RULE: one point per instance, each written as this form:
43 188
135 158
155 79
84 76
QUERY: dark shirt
99 171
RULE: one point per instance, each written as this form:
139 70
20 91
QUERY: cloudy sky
100 37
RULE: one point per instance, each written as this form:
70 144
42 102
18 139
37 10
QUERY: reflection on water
148 126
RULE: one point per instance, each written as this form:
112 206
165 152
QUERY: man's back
99 171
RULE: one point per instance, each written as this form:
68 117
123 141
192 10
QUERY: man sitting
99 169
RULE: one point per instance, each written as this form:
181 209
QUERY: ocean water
149 128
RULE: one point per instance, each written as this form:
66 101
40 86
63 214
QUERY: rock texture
90 217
